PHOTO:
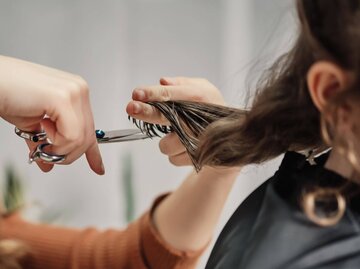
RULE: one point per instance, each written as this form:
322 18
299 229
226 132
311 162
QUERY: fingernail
140 95
169 81
137 108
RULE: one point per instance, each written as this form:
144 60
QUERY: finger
93 155
184 81
88 146
65 127
94 159
167 81
171 145
75 113
145 112
88 143
204 90
59 145
49 127
168 93
45 167
182 159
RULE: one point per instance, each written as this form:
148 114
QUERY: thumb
168 81
49 127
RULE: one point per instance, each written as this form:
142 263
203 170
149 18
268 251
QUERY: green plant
127 180
13 194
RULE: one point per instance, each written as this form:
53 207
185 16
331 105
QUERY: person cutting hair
172 234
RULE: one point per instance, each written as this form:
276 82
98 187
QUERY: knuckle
197 97
72 86
72 90
147 110
81 81
83 86
77 88
164 94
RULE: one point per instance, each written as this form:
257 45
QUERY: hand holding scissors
35 97
101 136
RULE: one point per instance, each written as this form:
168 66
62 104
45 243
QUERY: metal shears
101 137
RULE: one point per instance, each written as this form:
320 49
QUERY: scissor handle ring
32 136
39 153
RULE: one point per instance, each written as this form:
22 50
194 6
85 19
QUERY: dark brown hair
283 116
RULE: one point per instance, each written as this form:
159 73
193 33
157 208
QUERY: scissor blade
124 139
121 135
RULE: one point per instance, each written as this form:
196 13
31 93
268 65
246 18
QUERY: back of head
283 116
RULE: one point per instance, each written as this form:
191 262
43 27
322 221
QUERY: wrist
215 180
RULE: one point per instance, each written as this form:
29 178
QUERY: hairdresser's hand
28 92
172 89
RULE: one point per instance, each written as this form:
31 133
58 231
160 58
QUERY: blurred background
117 45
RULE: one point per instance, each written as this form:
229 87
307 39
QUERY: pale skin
185 219
326 80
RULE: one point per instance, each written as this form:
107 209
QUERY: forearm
187 218
13 81
18 85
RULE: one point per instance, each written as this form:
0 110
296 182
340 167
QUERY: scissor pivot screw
99 134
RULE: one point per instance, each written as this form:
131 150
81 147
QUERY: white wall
116 46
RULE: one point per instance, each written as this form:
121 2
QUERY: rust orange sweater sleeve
139 246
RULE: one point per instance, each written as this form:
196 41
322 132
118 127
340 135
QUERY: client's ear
325 80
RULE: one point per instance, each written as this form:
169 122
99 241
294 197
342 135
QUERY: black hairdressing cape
269 229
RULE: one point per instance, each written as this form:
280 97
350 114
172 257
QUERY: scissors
101 137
